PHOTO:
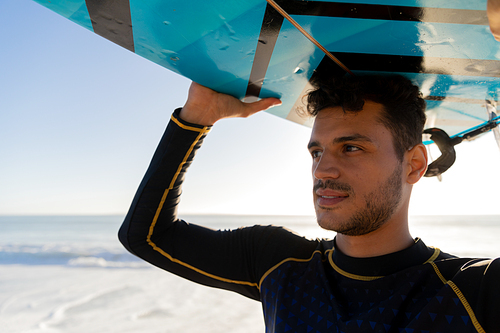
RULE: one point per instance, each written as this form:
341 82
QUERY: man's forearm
159 192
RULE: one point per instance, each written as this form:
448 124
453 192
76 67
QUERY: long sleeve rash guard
305 285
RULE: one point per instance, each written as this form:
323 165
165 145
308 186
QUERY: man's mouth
325 198
330 193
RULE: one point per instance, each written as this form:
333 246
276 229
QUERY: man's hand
493 11
205 106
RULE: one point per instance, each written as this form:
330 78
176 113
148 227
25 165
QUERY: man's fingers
205 106
261 105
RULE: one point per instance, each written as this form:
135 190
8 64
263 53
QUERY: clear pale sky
80 119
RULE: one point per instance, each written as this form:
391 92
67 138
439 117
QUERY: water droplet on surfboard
298 70
230 29
223 46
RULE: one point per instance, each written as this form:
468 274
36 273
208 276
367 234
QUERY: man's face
357 175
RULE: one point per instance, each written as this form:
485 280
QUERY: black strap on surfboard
307 35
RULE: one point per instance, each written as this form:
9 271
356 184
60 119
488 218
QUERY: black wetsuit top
305 285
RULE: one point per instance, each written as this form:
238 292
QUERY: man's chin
329 220
348 226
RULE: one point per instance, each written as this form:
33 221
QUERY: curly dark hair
403 103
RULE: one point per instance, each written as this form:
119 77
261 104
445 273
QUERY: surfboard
246 48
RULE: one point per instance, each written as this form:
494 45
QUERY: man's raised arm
151 229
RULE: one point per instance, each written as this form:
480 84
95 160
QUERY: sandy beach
93 299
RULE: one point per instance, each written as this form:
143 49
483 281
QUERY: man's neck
391 237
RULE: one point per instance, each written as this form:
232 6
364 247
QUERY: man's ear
416 159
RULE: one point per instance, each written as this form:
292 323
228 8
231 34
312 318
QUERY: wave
68 255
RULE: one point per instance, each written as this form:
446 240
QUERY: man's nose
326 167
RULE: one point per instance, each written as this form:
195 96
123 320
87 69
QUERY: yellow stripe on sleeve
438 273
467 307
434 256
281 263
201 131
461 297
190 128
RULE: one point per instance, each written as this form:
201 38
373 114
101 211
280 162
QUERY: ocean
70 274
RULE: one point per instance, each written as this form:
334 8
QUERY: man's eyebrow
312 144
354 137
342 139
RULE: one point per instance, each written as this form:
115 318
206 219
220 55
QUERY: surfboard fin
447 147
431 158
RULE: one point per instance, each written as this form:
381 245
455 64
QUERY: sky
80 118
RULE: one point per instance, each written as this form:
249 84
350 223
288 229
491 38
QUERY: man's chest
312 297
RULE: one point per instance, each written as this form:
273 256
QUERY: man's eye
316 154
349 148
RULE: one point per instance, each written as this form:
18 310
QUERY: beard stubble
380 205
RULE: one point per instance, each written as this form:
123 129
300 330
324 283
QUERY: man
367 154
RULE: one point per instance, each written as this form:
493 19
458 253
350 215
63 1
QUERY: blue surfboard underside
245 47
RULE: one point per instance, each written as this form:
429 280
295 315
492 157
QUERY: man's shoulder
476 282
479 270
468 266
452 266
